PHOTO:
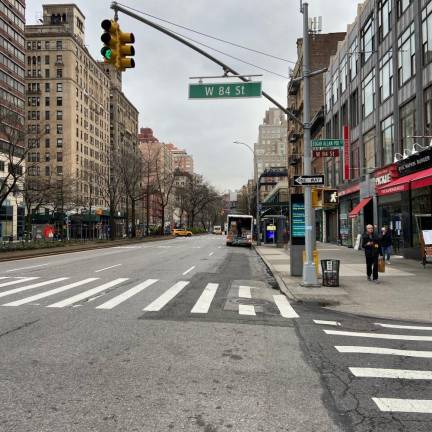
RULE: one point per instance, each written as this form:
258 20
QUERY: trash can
330 272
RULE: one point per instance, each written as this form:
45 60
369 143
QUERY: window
59 58
59 87
59 129
47 87
407 125
59 142
353 59
59 115
47 59
59 101
59 170
328 97
384 17
427 33
387 138
355 161
2 166
47 156
59 45
406 55
335 88
59 73
368 94
47 73
47 142
369 147
47 44
47 101
386 76
47 115
367 39
47 171
59 156
343 74
402 6
47 128
428 111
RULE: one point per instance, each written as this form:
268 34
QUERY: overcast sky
158 86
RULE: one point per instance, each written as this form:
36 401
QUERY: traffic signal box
324 198
117 49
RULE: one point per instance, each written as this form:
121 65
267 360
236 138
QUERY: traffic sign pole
309 272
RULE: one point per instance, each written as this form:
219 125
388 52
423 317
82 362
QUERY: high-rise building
12 110
68 110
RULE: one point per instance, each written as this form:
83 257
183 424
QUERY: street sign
327 144
325 153
307 180
225 90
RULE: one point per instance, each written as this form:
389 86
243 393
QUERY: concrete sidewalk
405 291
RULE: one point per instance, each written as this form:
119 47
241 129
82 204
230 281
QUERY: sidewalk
405 291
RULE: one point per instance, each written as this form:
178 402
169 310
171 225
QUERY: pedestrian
371 246
386 241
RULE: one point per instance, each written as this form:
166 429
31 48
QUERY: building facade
379 85
68 106
12 104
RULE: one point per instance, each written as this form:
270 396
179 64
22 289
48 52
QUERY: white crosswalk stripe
204 302
87 294
403 327
126 295
383 351
50 292
32 286
370 372
286 310
166 297
379 335
17 281
246 309
420 406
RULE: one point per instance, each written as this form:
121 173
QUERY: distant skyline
158 86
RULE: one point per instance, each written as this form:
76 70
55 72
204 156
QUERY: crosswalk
94 292
388 343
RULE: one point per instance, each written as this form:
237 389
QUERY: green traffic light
106 52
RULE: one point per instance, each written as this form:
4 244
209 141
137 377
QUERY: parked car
181 232
217 229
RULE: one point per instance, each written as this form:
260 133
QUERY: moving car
217 229
239 230
181 232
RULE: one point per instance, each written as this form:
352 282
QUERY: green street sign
327 143
225 91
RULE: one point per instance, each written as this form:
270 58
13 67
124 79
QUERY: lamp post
256 177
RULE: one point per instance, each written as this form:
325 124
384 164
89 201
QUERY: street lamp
258 219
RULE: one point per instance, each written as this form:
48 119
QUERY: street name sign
306 180
325 153
225 90
327 144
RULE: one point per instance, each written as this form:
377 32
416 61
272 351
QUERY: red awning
358 208
423 179
417 180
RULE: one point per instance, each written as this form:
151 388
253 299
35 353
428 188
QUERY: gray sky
158 86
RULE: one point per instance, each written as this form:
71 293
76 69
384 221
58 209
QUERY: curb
49 252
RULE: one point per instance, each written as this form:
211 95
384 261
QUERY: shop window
387 138
407 125
406 55
369 150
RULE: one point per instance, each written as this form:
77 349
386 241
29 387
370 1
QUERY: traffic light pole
309 272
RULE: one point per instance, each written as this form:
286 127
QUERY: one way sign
306 180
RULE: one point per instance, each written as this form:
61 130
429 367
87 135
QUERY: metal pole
258 210
309 273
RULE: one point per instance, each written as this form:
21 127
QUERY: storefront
405 202
349 198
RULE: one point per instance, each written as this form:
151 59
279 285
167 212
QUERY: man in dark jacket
371 246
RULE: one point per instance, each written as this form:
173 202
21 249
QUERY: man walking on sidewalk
371 246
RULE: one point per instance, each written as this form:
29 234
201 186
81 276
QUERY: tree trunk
162 219
148 213
28 224
112 222
133 216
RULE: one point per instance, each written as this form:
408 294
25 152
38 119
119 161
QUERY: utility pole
309 272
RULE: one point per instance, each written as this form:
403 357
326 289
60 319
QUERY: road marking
391 373
27 268
204 302
211 253
126 295
51 292
286 310
330 323
378 335
168 295
196 247
28 287
71 300
383 351
219 247
188 270
127 247
246 310
107 268
423 406
245 291
394 326
16 282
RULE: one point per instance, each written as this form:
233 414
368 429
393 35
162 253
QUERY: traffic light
110 50
331 197
117 49
125 51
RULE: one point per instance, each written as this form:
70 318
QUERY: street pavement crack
27 324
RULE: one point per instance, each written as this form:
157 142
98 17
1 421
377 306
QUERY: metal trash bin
330 272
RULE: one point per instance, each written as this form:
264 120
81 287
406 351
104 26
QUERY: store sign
414 163
385 175
349 190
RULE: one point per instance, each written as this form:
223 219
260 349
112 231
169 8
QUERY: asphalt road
190 335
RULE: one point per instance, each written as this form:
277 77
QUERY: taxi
181 232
